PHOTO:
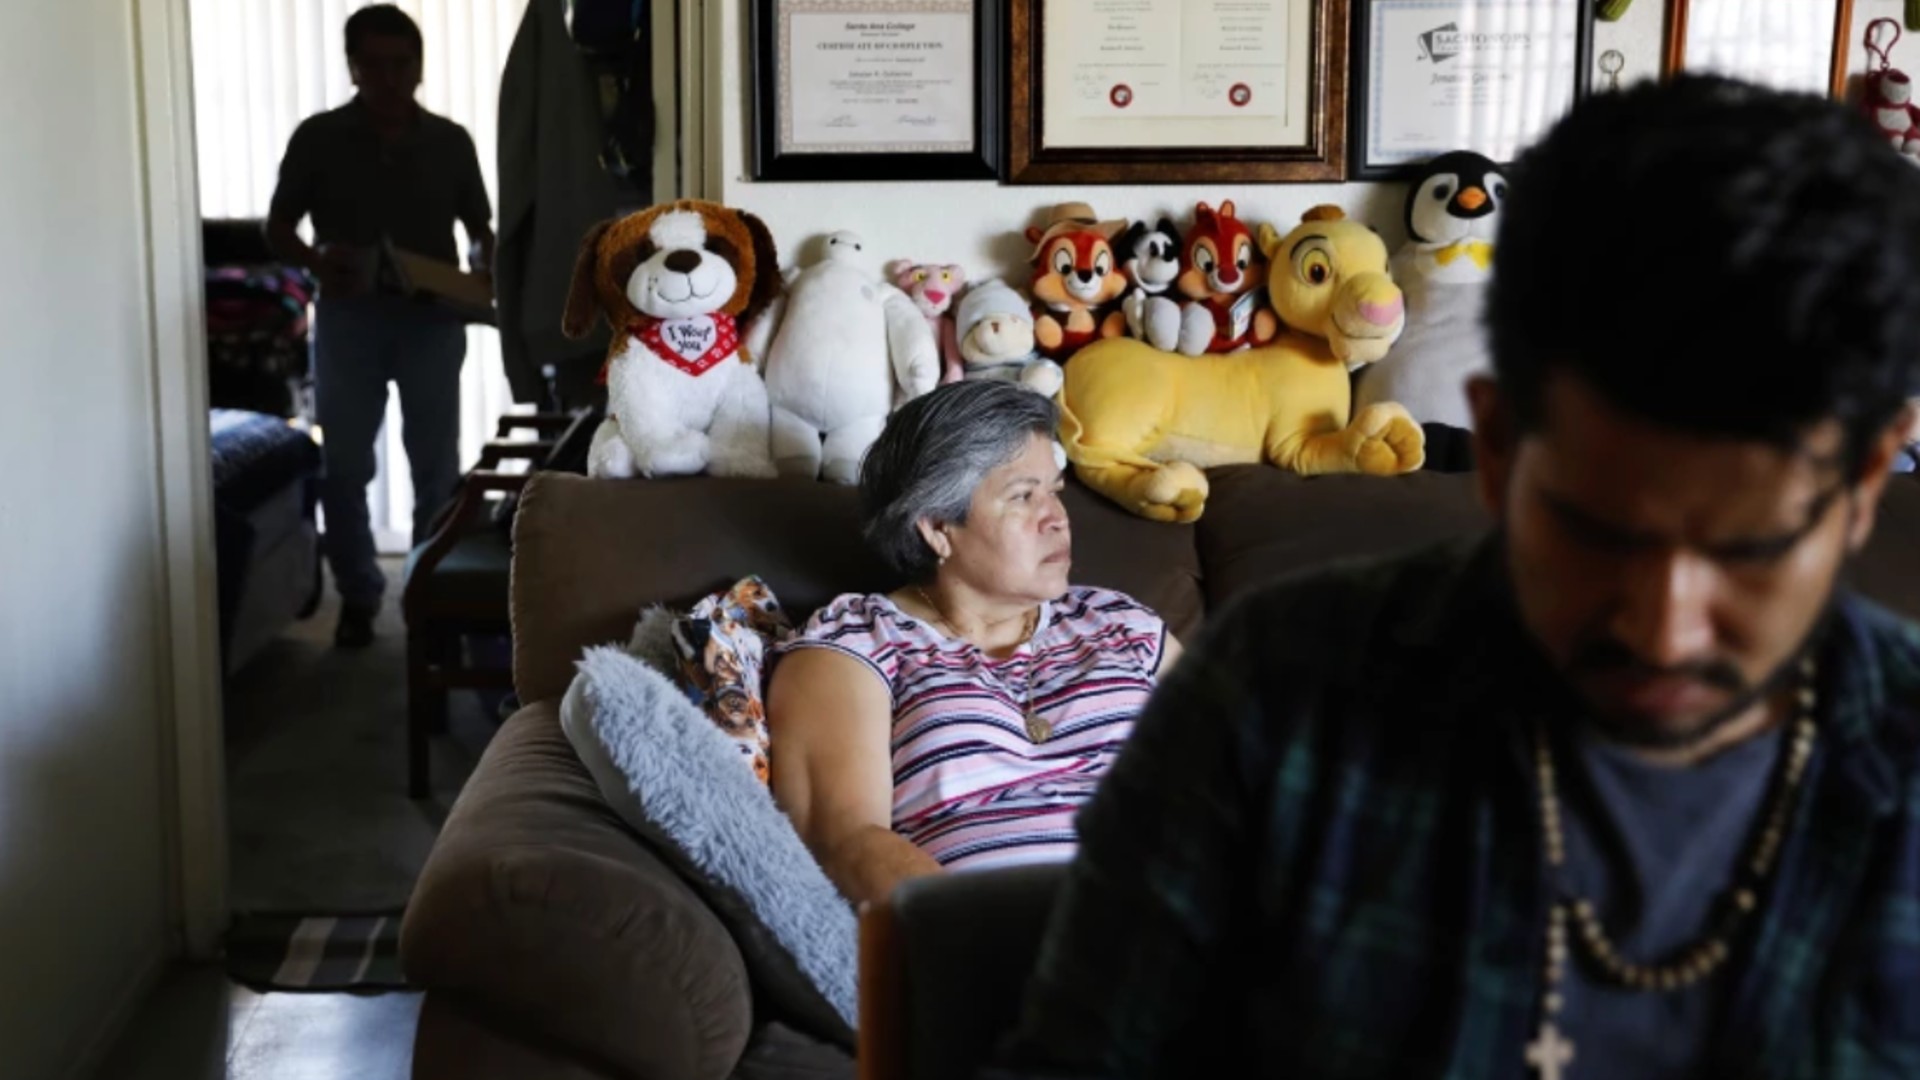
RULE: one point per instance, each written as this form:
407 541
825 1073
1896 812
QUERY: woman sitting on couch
961 721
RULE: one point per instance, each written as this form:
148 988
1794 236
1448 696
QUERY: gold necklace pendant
1039 728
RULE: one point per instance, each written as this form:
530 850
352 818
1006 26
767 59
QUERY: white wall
979 224
83 908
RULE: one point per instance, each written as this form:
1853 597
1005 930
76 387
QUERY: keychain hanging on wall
1886 91
1612 62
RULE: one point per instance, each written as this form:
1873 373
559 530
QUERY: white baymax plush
842 349
995 328
1452 214
675 282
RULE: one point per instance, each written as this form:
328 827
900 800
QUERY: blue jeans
360 345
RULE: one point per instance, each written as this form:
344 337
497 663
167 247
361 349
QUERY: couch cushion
1262 523
589 554
539 905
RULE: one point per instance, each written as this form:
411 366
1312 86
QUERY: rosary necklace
1039 728
1551 1052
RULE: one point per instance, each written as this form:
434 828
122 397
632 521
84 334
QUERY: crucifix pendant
1037 727
1549 1054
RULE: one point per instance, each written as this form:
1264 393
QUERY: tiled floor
199 1026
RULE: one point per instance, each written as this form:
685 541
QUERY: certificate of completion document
1483 75
1174 72
864 76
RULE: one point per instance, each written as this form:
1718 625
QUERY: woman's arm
1169 655
831 721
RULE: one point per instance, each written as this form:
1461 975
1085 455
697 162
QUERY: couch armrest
540 910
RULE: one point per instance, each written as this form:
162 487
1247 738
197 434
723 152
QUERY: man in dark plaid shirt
1629 789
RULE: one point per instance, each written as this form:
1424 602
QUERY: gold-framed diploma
1172 91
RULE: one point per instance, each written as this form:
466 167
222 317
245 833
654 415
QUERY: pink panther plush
933 288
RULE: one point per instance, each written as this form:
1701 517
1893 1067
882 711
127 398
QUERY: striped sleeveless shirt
969 787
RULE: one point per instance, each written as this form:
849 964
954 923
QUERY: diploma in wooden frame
1176 91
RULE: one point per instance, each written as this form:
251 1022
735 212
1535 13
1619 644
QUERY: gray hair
932 455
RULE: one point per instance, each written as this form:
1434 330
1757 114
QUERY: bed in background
265 486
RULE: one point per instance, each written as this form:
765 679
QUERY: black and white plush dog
1150 258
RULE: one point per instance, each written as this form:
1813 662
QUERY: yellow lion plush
1139 424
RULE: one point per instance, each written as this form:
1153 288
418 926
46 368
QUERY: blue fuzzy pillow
676 778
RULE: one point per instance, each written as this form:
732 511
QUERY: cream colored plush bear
996 339
842 350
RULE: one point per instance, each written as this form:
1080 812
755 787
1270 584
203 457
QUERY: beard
1604 657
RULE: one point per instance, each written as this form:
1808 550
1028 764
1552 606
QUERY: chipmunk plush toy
1150 258
1076 279
1223 276
675 282
932 288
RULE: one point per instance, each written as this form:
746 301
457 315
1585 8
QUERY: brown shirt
359 188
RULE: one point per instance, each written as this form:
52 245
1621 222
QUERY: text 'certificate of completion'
875 77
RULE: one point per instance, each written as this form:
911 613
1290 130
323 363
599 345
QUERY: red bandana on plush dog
694 345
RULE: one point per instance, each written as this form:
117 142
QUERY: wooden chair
943 966
457 581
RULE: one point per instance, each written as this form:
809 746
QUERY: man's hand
341 269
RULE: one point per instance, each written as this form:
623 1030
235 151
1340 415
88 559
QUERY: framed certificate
1176 91
1792 46
876 89
1484 75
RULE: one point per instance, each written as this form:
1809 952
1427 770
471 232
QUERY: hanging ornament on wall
1886 92
1611 10
1612 62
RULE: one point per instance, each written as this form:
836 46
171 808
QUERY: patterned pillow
720 647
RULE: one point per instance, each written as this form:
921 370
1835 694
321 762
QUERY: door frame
193 761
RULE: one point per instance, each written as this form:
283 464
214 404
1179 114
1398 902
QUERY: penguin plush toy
1452 212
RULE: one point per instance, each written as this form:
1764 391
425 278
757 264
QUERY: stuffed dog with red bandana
677 282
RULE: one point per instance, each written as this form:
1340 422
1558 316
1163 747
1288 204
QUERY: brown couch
553 943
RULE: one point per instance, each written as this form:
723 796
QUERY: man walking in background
380 168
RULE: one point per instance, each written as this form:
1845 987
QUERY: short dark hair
1716 258
382 20
932 455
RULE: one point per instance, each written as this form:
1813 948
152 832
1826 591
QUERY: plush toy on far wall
1887 92
1452 213
1140 424
996 338
675 282
1222 280
1150 258
1076 281
841 350
933 288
